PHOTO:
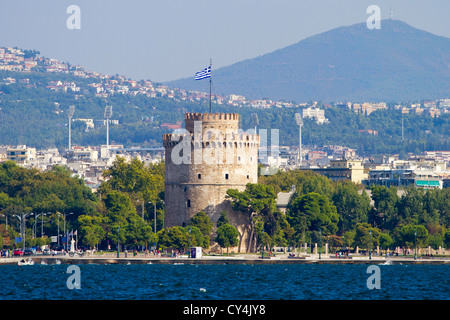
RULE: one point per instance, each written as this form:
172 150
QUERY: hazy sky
163 40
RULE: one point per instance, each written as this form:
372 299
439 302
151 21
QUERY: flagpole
210 82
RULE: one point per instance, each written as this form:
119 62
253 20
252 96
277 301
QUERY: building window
199 176
188 203
248 177
226 176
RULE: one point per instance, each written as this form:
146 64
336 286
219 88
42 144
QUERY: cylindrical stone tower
202 163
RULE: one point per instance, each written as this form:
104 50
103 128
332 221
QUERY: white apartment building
316 113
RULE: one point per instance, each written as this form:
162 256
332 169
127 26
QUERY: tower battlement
195 116
220 121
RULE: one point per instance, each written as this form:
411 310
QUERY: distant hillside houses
315 113
103 86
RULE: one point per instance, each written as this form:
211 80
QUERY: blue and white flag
205 73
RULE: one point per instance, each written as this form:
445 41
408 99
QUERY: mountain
396 62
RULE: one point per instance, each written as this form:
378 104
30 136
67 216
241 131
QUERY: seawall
216 260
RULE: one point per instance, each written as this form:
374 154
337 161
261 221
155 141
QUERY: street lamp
320 242
189 242
154 205
6 217
118 229
415 244
65 230
23 220
298 119
58 214
262 254
370 246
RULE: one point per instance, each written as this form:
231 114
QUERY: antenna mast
108 115
70 115
298 119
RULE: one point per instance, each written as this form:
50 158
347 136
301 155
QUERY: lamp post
118 229
262 254
70 115
65 230
189 241
23 220
415 244
320 242
154 214
42 223
58 214
370 246
6 217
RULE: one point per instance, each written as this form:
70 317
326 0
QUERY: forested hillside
32 114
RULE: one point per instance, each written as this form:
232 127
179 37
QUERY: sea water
224 282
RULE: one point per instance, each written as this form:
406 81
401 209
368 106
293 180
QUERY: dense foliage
340 213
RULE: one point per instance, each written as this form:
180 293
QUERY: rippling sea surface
224 282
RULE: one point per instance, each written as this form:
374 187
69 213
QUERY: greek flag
205 73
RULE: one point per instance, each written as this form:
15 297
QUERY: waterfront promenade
111 258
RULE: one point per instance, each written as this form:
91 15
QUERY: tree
348 238
91 232
385 211
312 212
222 219
140 182
366 236
352 207
227 236
173 237
202 221
255 202
180 237
410 206
408 237
447 239
385 241
119 211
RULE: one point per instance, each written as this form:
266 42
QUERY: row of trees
344 214
128 209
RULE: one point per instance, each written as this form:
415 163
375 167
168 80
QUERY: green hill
352 63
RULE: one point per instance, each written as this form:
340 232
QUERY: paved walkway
111 258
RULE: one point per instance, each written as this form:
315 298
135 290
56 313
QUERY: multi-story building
404 178
21 154
352 170
315 113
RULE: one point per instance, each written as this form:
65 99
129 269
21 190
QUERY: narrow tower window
226 176
188 203
199 176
